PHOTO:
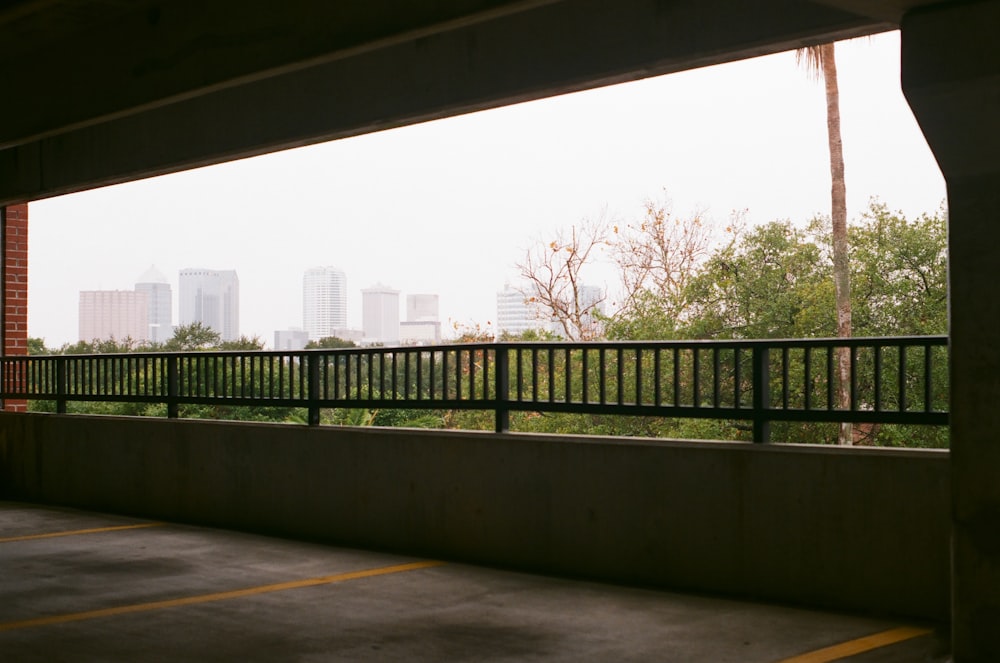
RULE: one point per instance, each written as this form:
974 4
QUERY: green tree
331 343
194 336
774 283
901 288
900 273
36 346
102 346
242 343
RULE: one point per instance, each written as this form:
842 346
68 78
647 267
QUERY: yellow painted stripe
217 596
861 645
75 532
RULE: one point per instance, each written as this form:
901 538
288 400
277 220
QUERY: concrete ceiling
103 91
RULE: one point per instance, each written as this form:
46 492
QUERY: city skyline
144 314
449 206
120 314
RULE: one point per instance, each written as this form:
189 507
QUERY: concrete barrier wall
855 529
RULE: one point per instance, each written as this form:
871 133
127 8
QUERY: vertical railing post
312 365
173 387
761 394
61 385
502 390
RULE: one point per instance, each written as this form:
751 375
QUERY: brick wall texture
15 288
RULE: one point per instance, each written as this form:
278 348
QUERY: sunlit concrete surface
79 586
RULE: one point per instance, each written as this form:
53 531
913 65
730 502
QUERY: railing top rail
854 342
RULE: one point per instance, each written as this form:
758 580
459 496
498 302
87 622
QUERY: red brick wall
15 287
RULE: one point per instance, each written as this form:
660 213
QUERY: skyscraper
591 301
421 308
290 339
515 314
324 302
422 325
380 314
113 315
211 297
160 304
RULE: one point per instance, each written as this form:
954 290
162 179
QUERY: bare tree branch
553 274
659 255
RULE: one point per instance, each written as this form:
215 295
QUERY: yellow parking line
94 530
217 596
852 647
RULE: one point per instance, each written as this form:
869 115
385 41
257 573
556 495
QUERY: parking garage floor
80 586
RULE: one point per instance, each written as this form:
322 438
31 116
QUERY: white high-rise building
324 301
591 301
160 304
290 339
421 308
211 297
113 315
380 315
515 314
422 325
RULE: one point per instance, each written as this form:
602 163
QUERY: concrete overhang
104 91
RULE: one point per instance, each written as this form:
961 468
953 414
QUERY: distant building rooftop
152 275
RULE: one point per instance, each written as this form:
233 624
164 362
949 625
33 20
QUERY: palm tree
820 60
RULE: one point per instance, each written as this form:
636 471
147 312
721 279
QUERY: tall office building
591 301
160 304
211 297
324 302
380 315
515 314
422 325
113 315
421 308
290 339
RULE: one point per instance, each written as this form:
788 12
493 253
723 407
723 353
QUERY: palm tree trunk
838 213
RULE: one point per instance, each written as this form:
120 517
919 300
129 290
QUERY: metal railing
892 380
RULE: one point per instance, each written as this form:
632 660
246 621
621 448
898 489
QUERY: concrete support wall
854 529
951 77
14 287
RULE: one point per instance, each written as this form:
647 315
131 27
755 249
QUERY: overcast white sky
448 207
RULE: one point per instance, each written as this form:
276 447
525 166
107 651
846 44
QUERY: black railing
892 380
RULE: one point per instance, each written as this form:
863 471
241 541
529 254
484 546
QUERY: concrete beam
153 53
890 11
951 78
551 49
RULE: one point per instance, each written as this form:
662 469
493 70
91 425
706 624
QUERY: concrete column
951 77
14 287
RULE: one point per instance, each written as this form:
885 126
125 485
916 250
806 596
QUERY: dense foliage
775 281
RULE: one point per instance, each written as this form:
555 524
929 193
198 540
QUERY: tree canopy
330 342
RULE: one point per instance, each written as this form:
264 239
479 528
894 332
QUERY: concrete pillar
14 287
951 78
